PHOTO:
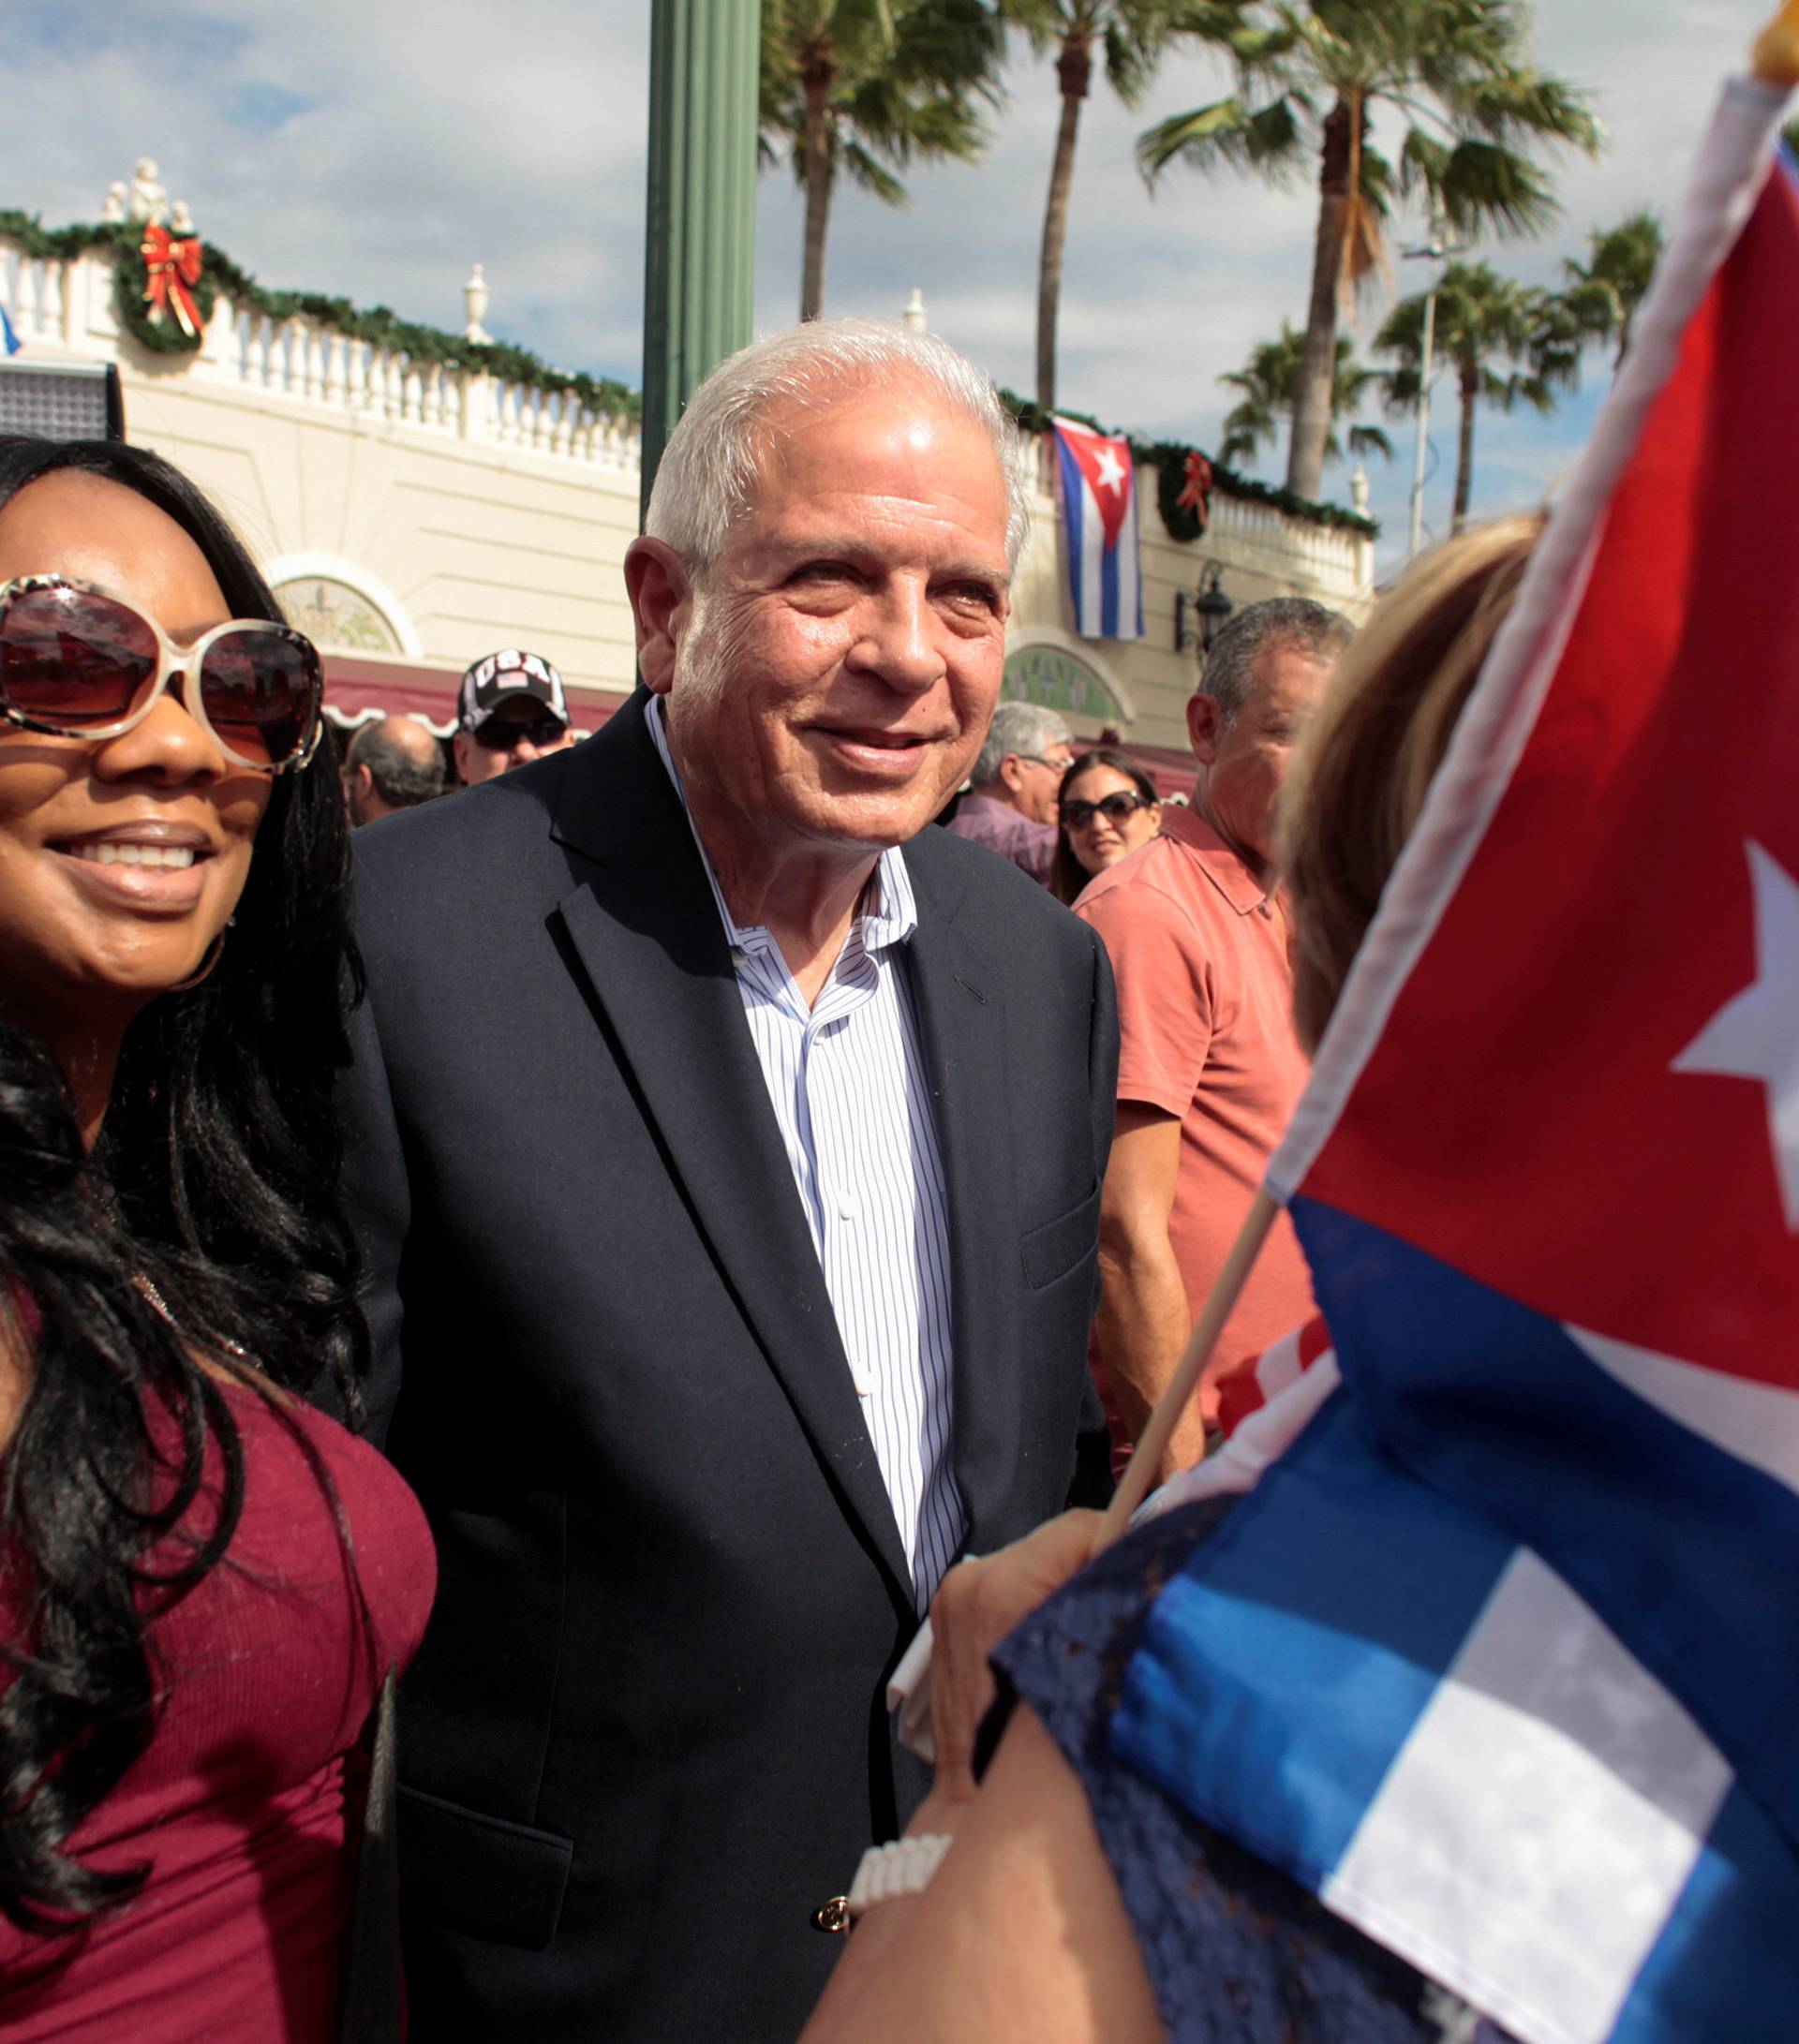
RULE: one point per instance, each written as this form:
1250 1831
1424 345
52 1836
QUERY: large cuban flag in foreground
1553 1132
1098 491
1516 1690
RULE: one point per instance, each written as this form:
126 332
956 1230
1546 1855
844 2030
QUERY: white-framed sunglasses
77 663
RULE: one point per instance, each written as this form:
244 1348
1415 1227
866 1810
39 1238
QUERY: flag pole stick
1134 1486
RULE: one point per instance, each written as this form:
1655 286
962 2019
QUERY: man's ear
657 584
1205 727
1011 773
461 745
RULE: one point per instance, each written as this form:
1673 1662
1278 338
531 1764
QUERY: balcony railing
67 304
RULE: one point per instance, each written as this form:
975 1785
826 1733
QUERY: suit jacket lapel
963 1026
645 930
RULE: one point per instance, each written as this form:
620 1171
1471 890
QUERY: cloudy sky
374 148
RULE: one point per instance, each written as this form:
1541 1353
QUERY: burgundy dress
238 1804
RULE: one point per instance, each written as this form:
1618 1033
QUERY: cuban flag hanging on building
1098 491
1547 1167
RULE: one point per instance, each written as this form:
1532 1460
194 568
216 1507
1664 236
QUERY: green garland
1170 460
604 395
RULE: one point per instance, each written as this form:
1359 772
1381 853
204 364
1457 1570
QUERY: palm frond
1487 189
862 168
908 81
1269 381
1267 140
1519 106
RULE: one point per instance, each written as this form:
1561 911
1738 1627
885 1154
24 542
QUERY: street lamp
1210 606
1433 251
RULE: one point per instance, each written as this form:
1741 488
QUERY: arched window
341 607
1054 669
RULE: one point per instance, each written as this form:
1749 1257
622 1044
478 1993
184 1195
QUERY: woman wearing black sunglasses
203 1582
1107 807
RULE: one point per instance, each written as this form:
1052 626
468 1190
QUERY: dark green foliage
384 329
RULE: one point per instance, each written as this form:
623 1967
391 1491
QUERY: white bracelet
903 1868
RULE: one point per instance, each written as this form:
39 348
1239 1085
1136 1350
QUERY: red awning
358 689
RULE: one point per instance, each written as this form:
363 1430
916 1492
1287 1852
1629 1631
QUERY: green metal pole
700 243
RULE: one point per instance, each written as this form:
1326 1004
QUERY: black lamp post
1209 605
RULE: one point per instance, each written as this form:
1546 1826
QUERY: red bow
172 268
1197 488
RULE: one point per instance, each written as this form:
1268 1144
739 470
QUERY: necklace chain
160 1307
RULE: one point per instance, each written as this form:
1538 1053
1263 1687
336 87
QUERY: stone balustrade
67 304
1337 562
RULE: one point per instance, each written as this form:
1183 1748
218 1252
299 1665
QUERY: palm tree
865 86
1268 380
1604 291
1311 74
1491 329
1132 35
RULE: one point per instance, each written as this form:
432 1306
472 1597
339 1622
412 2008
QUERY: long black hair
1067 876
213 1179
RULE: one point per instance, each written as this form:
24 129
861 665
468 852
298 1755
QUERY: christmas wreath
161 291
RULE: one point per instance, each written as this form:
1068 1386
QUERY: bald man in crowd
393 764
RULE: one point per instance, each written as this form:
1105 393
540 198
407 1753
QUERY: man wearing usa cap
510 710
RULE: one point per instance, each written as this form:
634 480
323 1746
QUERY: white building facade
415 515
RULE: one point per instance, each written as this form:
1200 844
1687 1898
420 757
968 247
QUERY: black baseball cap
501 678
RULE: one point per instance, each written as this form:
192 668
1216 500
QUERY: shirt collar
1219 862
888 913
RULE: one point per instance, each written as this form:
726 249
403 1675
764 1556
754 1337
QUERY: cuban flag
1500 1656
10 342
1552 1130
1098 488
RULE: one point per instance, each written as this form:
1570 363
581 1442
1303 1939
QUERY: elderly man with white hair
726 1146
1011 804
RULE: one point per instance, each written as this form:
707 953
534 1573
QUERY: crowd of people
507 1327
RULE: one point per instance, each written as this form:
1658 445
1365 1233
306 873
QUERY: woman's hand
976 1604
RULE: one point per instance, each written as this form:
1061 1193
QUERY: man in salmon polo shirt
1209 1066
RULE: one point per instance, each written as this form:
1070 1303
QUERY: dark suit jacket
645 1736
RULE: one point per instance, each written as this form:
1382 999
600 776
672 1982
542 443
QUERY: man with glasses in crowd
1010 806
510 710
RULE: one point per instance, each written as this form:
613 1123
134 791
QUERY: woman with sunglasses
204 1581
1108 807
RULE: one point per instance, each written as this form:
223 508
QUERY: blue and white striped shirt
847 1082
